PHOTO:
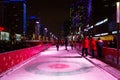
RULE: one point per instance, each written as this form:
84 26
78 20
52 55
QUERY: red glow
58 66
1 28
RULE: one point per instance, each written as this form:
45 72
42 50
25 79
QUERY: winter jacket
85 43
93 44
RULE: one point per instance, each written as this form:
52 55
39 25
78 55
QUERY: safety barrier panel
12 58
110 54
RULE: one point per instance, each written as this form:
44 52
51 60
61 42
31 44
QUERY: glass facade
14 16
4 36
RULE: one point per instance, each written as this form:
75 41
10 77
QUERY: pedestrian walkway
59 65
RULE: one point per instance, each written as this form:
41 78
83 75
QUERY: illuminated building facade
80 14
14 16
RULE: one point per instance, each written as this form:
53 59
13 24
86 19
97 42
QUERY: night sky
52 13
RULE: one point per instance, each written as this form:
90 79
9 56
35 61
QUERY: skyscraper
80 13
14 16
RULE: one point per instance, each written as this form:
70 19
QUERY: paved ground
60 65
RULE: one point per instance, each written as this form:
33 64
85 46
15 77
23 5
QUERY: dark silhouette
57 44
71 44
99 47
66 43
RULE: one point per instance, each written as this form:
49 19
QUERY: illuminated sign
1 28
101 22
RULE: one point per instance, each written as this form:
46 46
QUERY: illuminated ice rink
57 65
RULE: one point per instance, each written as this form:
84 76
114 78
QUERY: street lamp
118 12
118 22
46 30
37 31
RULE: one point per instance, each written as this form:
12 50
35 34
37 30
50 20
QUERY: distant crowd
87 45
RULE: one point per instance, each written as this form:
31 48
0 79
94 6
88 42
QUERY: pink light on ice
58 66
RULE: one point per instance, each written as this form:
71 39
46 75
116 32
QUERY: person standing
93 46
85 45
66 43
99 47
71 44
57 44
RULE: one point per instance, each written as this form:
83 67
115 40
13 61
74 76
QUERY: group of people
57 42
66 43
95 46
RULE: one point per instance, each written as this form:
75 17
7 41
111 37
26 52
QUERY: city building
14 16
33 28
80 14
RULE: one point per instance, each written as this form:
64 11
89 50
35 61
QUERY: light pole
118 25
37 31
46 30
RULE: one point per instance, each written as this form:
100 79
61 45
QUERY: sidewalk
112 69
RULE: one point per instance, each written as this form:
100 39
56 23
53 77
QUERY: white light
103 34
115 32
85 29
101 22
45 28
118 12
97 35
37 22
91 26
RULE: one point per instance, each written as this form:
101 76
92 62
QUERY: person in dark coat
57 44
66 43
71 44
99 47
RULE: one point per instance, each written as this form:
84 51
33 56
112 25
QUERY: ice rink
57 65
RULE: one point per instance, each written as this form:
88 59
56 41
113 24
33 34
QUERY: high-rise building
80 13
34 28
14 16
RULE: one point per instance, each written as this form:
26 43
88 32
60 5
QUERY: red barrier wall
110 54
12 58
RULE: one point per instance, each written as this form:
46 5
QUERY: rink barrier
109 54
12 58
